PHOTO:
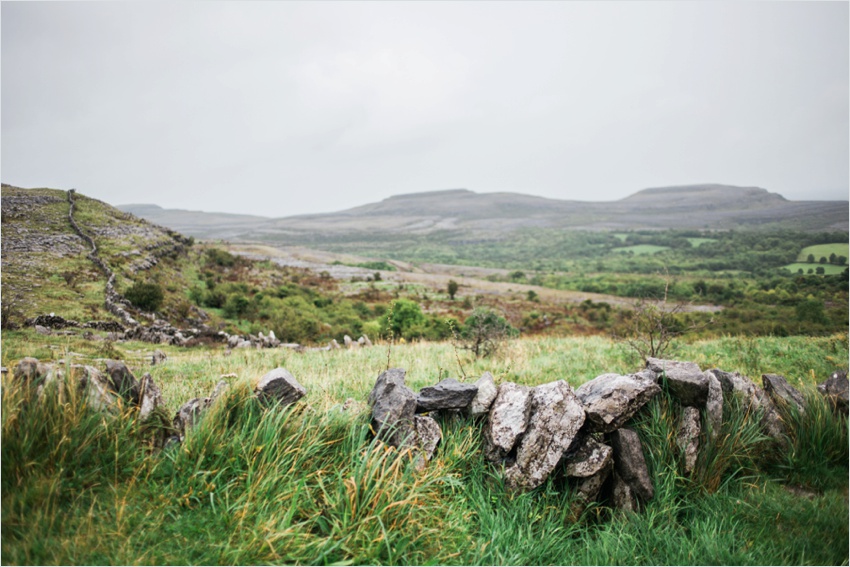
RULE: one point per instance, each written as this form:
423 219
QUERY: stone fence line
531 432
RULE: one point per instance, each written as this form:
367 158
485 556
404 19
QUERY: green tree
452 288
810 310
810 259
822 260
406 319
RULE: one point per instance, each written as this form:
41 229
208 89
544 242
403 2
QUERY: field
824 250
308 485
640 249
828 269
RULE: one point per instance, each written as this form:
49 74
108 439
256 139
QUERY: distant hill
707 206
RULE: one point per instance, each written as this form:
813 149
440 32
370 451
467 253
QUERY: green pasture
828 269
824 250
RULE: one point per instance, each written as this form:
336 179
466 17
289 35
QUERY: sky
284 108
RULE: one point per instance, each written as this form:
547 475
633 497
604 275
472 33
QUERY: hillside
486 215
47 265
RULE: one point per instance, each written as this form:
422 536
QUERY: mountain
706 206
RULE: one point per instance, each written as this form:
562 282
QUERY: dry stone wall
530 433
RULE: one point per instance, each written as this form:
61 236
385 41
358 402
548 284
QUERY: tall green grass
308 484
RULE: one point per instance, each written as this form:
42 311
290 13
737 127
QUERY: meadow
309 485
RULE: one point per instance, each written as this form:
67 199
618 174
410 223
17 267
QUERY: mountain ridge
708 206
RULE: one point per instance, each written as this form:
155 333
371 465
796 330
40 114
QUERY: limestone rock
42 330
588 488
782 393
734 383
188 415
556 417
508 420
714 405
611 399
622 495
588 458
428 435
687 437
685 380
630 463
150 397
446 394
393 407
771 421
835 389
30 370
99 390
487 392
158 357
123 381
279 386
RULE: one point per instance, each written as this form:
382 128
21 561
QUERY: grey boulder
782 393
685 380
835 389
279 386
687 437
555 420
485 396
508 420
393 407
630 463
445 395
611 399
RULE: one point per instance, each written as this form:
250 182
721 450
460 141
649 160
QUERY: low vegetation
309 485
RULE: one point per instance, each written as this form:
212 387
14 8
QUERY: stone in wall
612 399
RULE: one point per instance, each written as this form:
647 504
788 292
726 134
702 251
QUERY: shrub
484 331
145 296
452 288
406 319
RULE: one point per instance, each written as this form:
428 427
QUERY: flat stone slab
445 395
685 380
279 386
555 420
610 400
508 419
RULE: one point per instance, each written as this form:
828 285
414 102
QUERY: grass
824 250
642 249
828 269
308 484
697 242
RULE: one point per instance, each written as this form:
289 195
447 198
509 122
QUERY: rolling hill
710 206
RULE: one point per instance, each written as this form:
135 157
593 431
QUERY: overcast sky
281 108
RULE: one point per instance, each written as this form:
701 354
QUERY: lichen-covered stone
630 463
714 406
782 393
835 389
123 381
555 419
687 437
587 458
508 419
445 395
486 395
393 407
150 397
612 399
